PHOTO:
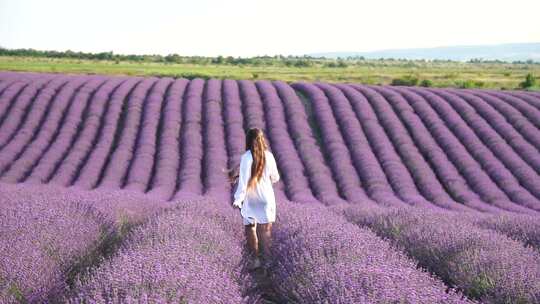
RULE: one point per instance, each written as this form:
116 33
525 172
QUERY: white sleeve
274 174
243 178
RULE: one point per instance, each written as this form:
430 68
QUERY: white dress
259 204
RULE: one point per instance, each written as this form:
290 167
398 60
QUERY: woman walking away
254 194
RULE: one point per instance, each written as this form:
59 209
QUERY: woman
254 194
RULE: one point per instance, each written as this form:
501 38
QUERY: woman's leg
251 237
265 235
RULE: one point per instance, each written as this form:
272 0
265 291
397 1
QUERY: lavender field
113 190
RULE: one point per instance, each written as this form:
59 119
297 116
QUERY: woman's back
260 202
270 172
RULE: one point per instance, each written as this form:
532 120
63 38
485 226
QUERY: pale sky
251 27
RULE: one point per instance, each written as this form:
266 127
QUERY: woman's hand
237 204
233 174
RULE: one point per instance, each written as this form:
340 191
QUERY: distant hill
504 52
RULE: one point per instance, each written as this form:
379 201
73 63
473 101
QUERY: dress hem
247 222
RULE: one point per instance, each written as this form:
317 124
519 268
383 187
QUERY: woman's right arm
243 178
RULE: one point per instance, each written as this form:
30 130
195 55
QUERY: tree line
276 60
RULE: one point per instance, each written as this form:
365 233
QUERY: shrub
318 257
407 80
484 264
164 262
341 64
469 84
529 82
426 83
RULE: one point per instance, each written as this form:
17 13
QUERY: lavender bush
53 233
99 149
235 137
399 179
500 163
141 166
58 128
102 176
65 153
180 256
340 157
503 117
317 169
521 227
35 263
497 137
527 103
191 153
13 144
472 157
289 162
422 173
320 258
25 91
163 183
484 264
434 139
215 156
392 146
121 158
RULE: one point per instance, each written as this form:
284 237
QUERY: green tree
529 82
173 58
342 64
426 83
407 80
218 60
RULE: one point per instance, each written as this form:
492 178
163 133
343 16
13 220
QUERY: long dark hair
256 143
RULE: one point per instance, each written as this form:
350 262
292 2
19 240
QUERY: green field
440 74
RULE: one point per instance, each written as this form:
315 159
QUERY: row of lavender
50 235
256 104
118 246
67 246
482 255
419 144
435 148
466 250
461 252
516 283
55 234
